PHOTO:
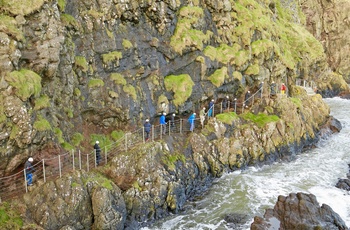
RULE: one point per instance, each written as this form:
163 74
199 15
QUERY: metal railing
49 169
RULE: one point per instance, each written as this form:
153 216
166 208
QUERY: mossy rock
9 26
227 118
219 76
26 82
81 63
261 119
111 57
41 124
21 7
118 79
94 83
181 85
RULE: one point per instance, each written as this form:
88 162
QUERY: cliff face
75 71
157 178
329 22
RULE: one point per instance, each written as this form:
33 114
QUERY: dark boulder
299 211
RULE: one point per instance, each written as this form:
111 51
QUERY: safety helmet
173 114
147 120
30 159
97 142
194 114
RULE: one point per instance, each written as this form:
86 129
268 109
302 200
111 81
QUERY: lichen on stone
180 85
26 82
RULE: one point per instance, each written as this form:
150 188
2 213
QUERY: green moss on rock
9 26
127 44
81 63
26 82
130 90
41 124
227 118
21 7
42 102
94 83
118 79
111 57
219 76
181 85
185 36
261 119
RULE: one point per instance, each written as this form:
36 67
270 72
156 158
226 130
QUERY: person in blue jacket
211 107
147 129
28 167
191 120
162 123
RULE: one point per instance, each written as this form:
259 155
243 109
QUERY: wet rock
299 211
343 184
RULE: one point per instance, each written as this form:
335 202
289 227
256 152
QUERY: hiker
202 116
247 98
273 88
29 171
225 103
191 120
147 129
162 123
261 85
97 152
172 121
283 89
211 108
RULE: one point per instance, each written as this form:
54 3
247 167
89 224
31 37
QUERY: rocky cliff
73 72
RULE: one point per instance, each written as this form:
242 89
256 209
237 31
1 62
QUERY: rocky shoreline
147 183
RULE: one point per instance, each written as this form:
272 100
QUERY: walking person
247 98
273 89
147 129
211 107
162 123
29 171
225 103
261 85
97 150
283 89
191 120
202 116
172 122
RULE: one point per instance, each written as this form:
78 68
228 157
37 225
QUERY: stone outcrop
329 21
77 201
299 211
159 177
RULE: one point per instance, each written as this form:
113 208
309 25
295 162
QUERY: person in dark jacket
225 103
172 122
29 171
97 150
247 98
147 128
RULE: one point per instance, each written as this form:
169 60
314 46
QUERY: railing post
161 131
25 180
59 165
143 134
221 107
79 159
87 162
228 105
213 110
181 126
243 107
73 160
44 172
169 128
106 157
152 132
